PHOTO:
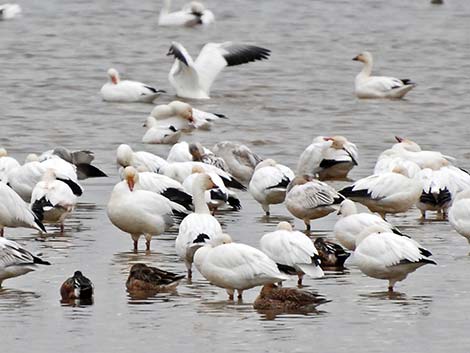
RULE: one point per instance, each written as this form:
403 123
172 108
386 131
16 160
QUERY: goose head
131 176
162 111
32 157
196 150
124 155
347 208
204 181
364 57
183 110
113 76
406 144
3 152
284 226
266 163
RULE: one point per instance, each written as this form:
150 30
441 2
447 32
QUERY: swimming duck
147 278
76 287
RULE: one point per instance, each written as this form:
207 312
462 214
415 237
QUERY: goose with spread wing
193 79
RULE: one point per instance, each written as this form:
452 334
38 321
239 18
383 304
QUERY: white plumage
9 11
127 91
16 260
236 266
367 86
141 160
269 182
292 251
385 255
459 214
192 14
160 134
193 79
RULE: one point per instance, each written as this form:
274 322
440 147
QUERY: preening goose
192 14
367 86
193 79
127 91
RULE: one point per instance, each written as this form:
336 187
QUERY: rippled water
53 63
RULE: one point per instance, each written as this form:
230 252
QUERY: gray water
53 62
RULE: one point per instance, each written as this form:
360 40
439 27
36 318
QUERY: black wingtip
222 116
39 261
85 171
201 238
76 189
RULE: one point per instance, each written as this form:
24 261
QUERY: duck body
147 278
76 287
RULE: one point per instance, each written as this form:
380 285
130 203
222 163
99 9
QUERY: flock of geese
186 190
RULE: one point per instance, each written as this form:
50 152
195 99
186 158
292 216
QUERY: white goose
459 214
53 199
269 182
156 134
236 266
7 164
183 116
127 91
240 160
179 152
14 212
192 14
16 260
385 255
198 227
24 178
125 157
308 199
193 79
367 86
292 251
329 157
352 223
215 198
140 212
9 11
392 192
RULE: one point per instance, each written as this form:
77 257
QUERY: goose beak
398 138
356 58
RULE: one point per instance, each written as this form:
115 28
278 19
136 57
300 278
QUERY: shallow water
53 63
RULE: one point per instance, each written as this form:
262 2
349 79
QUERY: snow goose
308 199
160 134
240 160
199 154
352 223
9 11
16 260
329 157
125 157
24 178
14 212
193 79
181 170
332 255
215 197
179 152
165 186
140 212
392 192
383 254
80 159
367 86
53 199
278 299
127 91
77 287
198 227
7 163
143 278
236 266
269 182
459 214
292 251
192 14
435 195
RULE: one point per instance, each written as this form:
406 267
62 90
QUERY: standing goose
292 251
127 91
236 266
16 260
140 212
308 199
367 86
53 199
459 214
193 79
198 227
392 192
14 212
383 254
269 183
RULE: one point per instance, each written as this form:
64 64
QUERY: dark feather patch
201 238
233 183
282 184
76 189
234 203
177 54
289 270
85 170
242 54
179 196
350 193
